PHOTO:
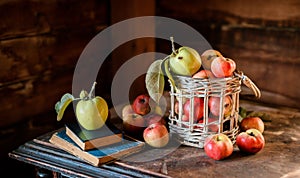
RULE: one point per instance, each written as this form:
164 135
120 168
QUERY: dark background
41 41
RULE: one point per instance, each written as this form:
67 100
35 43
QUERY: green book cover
89 139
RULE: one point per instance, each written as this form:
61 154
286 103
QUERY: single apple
218 146
214 105
91 112
204 74
141 104
156 135
154 118
208 56
133 123
252 122
198 108
251 141
185 61
127 109
223 67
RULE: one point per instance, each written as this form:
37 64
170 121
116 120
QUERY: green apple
185 61
91 113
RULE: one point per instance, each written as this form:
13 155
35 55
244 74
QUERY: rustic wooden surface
279 158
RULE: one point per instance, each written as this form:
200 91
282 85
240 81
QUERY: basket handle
248 82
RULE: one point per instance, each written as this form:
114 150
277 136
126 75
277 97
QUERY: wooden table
279 158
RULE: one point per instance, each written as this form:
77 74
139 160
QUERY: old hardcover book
101 155
89 139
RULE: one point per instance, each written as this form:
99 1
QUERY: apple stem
251 134
92 90
172 42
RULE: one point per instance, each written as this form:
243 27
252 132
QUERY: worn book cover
89 139
100 155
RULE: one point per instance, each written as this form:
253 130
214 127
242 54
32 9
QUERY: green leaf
165 66
61 105
155 81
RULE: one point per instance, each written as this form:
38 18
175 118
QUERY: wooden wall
263 37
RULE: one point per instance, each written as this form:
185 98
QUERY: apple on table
252 122
218 146
251 141
141 104
156 135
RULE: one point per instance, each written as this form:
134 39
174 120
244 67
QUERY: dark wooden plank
45 16
40 152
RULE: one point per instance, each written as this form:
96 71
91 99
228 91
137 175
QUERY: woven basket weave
187 88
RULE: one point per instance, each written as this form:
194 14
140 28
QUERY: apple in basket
198 108
204 74
214 105
185 61
223 67
208 56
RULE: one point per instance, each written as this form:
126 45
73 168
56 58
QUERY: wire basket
213 107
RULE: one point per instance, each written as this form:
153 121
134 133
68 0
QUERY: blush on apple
156 135
223 67
208 56
214 105
218 146
198 108
141 104
252 122
251 141
204 74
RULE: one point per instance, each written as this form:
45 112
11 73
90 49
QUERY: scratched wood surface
279 158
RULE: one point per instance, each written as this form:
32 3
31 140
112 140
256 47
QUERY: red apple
214 105
252 122
141 104
211 124
251 141
198 108
154 118
204 74
208 56
218 146
156 135
176 107
223 67
133 123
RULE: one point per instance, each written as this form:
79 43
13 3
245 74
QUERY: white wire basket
193 131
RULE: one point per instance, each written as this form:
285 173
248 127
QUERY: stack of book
98 146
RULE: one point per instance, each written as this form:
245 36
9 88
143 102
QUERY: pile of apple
250 140
142 119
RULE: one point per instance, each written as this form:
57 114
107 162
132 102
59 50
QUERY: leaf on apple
155 80
165 66
61 105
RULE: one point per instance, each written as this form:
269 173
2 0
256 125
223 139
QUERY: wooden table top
279 158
